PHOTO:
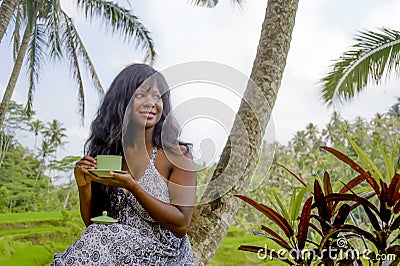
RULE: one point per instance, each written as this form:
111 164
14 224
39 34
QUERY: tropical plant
6 10
36 127
16 120
375 55
395 109
49 31
285 219
64 168
54 134
338 219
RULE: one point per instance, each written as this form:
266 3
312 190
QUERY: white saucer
105 172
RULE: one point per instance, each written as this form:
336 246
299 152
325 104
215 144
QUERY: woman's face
147 106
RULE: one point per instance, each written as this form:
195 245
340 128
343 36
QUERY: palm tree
36 127
311 133
299 142
50 31
394 110
54 134
212 219
6 11
376 54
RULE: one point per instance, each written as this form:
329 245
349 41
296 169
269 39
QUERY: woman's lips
148 115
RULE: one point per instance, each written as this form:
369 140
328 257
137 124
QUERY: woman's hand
82 176
116 180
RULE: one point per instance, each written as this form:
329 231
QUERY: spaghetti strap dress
136 239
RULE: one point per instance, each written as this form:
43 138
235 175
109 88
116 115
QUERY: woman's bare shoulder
178 156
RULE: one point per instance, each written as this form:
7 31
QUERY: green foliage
333 213
374 54
228 254
33 238
27 177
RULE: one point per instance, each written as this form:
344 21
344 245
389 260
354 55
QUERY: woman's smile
148 114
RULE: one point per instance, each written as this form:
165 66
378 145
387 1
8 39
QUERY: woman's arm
83 180
85 203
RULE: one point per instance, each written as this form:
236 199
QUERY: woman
154 201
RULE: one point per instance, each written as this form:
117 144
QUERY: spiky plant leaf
213 3
36 54
276 240
322 205
271 214
342 215
352 183
373 183
346 228
293 174
123 21
348 197
375 53
303 224
283 242
261 250
394 189
16 33
281 206
53 29
84 56
295 206
396 224
69 40
338 185
373 219
368 163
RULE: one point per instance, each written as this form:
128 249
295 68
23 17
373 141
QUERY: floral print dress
136 239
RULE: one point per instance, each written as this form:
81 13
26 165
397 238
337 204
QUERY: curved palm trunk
14 75
7 8
211 221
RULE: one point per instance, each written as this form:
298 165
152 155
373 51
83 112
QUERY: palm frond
374 54
213 3
30 12
123 21
53 29
16 33
204 3
36 53
84 56
68 38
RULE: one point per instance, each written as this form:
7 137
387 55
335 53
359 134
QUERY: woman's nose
149 101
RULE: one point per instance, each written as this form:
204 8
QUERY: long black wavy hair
106 129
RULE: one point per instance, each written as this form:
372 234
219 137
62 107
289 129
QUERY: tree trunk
66 200
211 220
7 8
5 141
14 75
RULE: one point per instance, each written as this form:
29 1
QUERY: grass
27 231
228 253
33 238
29 217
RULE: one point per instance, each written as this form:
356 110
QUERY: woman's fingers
115 179
86 164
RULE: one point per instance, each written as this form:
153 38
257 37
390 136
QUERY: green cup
109 162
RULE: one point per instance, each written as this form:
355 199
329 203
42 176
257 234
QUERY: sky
225 35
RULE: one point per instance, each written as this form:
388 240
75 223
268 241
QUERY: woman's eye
157 97
139 95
